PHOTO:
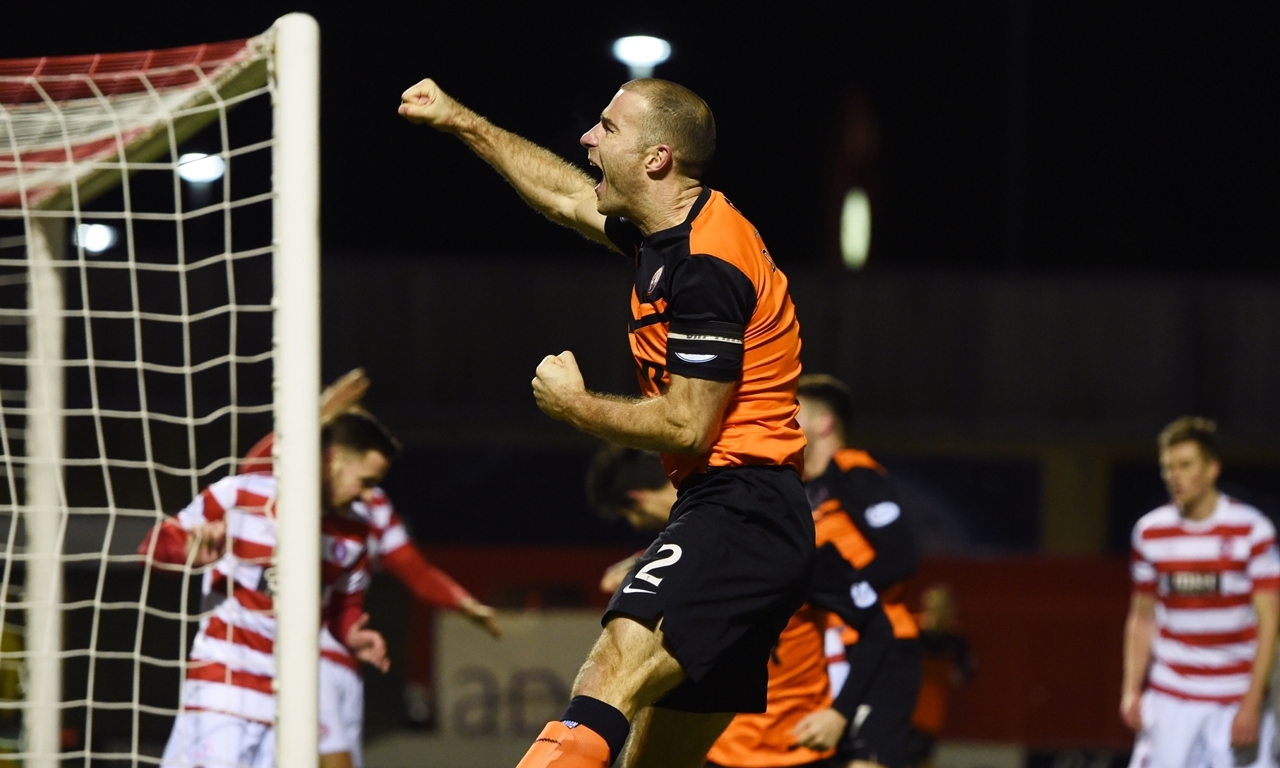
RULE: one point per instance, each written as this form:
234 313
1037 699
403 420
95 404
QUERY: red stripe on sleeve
212 509
427 582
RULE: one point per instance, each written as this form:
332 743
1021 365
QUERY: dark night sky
1147 131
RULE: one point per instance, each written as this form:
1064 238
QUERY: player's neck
1202 506
667 207
818 455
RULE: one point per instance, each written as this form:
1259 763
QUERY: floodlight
855 228
641 53
200 168
95 238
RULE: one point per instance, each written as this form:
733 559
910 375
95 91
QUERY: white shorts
216 740
1179 733
341 711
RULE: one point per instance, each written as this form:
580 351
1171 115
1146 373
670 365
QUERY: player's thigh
666 738
341 693
628 667
212 740
1175 731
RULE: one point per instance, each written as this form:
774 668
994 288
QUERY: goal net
158 315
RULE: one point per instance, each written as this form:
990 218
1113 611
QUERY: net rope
167 362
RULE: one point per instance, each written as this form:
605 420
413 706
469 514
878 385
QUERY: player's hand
426 103
820 730
1131 710
208 543
348 390
1244 727
614 574
368 645
556 383
485 617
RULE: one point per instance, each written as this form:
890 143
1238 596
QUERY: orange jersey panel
759 424
798 686
831 524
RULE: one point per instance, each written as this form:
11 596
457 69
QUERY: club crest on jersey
339 551
653 281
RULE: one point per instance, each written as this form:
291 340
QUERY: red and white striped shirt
231 667
1203 574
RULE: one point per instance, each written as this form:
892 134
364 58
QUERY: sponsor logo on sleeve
863 594
880 515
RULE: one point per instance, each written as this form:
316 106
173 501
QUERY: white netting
165 372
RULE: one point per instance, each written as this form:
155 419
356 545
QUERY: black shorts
725 575
881 736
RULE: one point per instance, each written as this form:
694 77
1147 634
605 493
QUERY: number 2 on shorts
661 562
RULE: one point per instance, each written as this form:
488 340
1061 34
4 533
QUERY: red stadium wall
1045 632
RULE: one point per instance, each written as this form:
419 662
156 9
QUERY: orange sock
563 747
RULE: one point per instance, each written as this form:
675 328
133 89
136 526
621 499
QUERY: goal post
154 323
297 449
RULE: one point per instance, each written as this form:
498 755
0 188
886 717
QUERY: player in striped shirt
228 700
1202 623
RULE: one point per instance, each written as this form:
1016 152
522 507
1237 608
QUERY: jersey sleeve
837 587
1264 561
871 502
864 657
711 303
427 582
258 459
1141 569
625 236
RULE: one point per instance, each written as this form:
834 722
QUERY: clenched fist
426 103
556 384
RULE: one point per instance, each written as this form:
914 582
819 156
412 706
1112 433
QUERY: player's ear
659 160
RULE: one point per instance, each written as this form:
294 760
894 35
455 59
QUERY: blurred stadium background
1075 238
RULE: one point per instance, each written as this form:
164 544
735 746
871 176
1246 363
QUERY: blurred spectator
947 665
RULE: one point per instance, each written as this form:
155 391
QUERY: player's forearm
659 424
1267 606
546 181
1138 634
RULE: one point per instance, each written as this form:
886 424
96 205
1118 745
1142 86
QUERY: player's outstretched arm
686 419
552 185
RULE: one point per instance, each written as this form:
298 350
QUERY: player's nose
589 138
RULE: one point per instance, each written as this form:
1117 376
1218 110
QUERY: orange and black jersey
709 303
866 550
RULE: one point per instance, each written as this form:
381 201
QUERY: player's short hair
833 393
616 470
357 430
1191 429
679 118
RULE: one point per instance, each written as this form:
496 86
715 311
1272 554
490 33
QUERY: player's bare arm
555 187
686 419
1244 728
1138 633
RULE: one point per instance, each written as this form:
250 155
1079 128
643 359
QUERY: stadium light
855 228
641 53
200 168
95 238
